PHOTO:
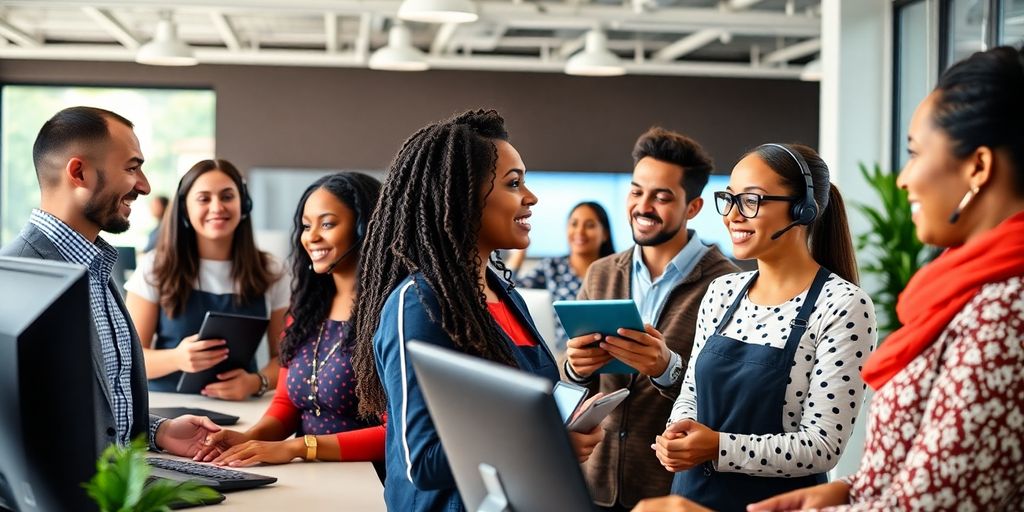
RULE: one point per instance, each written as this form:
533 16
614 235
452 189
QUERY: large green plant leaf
890 250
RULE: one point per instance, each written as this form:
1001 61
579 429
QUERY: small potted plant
122 483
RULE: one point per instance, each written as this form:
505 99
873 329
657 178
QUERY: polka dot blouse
825 388
947 432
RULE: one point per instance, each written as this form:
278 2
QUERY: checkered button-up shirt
111 322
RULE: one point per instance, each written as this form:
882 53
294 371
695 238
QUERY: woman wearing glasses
773 384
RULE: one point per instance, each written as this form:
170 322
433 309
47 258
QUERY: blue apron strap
735 304
799 324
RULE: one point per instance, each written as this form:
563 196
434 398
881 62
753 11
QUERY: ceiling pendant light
595 59
438 11
399 54
166 49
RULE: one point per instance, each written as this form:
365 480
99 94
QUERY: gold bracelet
310 441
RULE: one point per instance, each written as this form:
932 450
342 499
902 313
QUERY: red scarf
941 289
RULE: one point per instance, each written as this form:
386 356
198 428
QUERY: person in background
590 238
206 260
946 425
89 166
773 384
157 207
454 195
315 397
666 273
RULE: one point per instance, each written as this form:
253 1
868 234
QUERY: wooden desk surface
350 486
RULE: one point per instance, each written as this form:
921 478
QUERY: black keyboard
218 478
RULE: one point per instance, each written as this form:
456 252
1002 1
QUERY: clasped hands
646 351
685 444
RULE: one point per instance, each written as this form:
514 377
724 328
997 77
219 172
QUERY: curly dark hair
312 293
427 222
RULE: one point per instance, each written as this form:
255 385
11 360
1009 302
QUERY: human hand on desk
195 355
236 384
669 504
255 452
819 496
585 357
217 443
184 435
646 351
685 444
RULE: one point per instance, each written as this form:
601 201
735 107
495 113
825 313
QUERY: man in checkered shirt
89 168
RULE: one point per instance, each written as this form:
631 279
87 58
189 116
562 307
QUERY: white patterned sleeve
830 407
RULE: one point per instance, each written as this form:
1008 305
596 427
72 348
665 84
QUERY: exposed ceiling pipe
795 51
688 44
445 32
18 36
331 32
227 32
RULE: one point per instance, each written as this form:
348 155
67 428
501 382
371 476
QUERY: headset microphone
342 258
782 231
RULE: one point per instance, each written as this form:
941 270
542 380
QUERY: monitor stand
496 500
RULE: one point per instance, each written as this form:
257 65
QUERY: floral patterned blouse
947 432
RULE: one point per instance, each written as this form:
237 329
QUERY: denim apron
741 388
170 331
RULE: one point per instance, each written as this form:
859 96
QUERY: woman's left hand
234 385
269 452
685 444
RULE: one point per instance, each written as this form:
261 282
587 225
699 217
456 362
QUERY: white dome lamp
595 59
166 49
438 11
399 54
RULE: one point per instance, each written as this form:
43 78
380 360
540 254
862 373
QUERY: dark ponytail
829 235
831 244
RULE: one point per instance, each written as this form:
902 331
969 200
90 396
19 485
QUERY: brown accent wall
356 119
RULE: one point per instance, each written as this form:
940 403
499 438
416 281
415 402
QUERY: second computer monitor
498 421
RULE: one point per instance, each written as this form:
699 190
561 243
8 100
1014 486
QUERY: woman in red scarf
946 429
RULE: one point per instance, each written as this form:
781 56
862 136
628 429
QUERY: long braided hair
427 221
312 293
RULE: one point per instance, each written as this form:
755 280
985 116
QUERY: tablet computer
605 317
243 335
173 412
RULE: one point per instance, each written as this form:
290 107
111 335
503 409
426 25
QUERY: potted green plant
893 251
122 484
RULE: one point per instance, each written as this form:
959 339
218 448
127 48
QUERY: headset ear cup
808 213
246 201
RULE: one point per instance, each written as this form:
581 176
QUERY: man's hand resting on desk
269 452
184 435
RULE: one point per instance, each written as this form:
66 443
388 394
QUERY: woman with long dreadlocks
454 195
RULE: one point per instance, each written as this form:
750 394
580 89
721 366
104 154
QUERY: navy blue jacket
418 476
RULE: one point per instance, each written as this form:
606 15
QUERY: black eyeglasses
749 202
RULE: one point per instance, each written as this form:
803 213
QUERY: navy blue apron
170 331
741 388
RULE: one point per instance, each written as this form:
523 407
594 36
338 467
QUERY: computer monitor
47 421
505 440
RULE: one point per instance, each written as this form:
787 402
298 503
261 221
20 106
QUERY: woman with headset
315 396
206 260
773 383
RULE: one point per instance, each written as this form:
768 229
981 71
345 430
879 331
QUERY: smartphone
593 416
568 397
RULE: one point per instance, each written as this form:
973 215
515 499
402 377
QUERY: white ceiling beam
444 36
115 28
331 32
362 49
572 46
349 59
17 35
795 51
688 44
226 30
739 5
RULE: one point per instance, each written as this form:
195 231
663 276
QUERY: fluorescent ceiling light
166 49
399 54
438 11
595 59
